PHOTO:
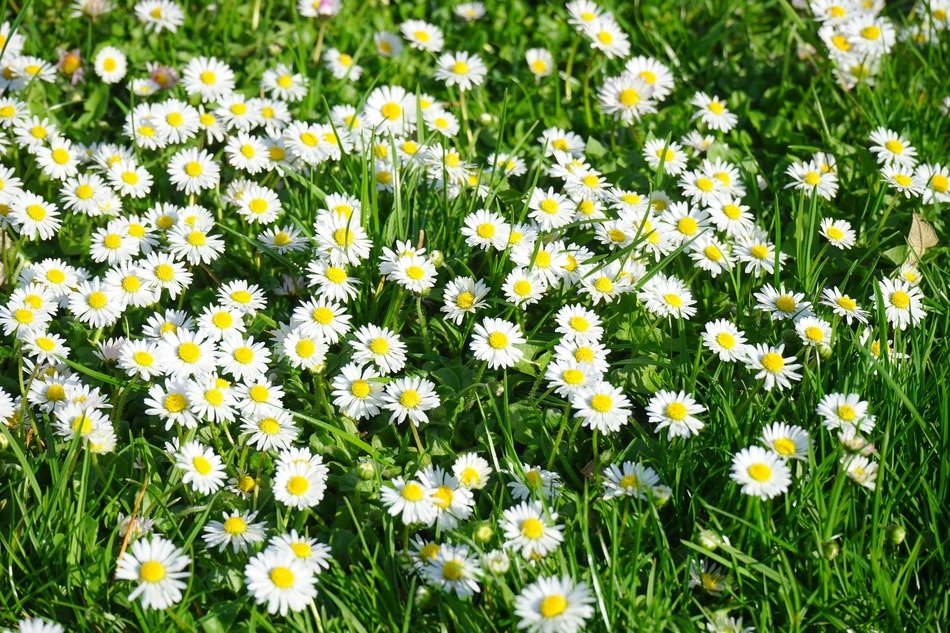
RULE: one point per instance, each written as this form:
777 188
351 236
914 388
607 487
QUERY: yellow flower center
814 334
391 110
451 571
532 528
673 300
522 287
410 398
687 226
572 376
553 606
151 571
847 413
97 300
903 180
193 168
442 497
760 472
676 411
872 32
704 184
298 485
460 68
36 212
601 403
282 577
196 238
269 426
784 446
412 492
175 403
939 183
360 388
189 352
259 393
244 355
773 362
60 156
835 233
812 178
235 525
628 97
726 340
786 303
201 465
143 358
497 340
549 206
900 299
713 253
165 272
131 283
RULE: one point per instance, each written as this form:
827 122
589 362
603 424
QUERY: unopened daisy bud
896 533
4 442
484 532
709 539
366 470
824 351
761 182
423 596
497 562
436 258
830 550
662 494
486 118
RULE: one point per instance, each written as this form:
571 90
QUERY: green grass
820 557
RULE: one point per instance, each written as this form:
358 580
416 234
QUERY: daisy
415 274
259 396
495 341
757 252
194 245
209 400
522 287
160 568
242 296
165 272
540 62
549 209
579 324
387 44
631 479
667 297
22 319
606 36
712 578
531 531
332 282
556 141
809 178
380 346
838 232
280 580
140 358
342 65
192 170
676 412
471 471
601 407
454 570
170 403
357 391
34 217
702 188
935 180
281 82
775 369
626 98
890 147
843 305
203 469
183 353
45 347
761 473
713 112
300 484
726 340
311 552
486 229
813 332
321 319
731 216
903 303
409 500
59 160
422 35
653 73
390 110
569 377
95 304
664 155
903 180
247 153
461 69
410 398
861 470
845 411
782 304
786 440
160 15
441 121
554 605
208 78
283 239
237 530
910 274
454 503
712 255
130 179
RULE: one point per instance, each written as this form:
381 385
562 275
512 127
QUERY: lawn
446 316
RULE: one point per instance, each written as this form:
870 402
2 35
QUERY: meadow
488 316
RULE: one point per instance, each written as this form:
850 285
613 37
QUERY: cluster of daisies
858 38
213 375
